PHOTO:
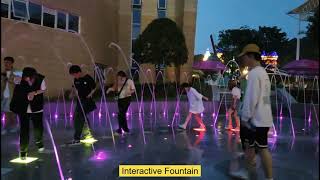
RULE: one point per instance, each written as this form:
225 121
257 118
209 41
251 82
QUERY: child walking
195 106
236 95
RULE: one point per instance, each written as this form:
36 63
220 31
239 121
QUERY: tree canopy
162 42
269 39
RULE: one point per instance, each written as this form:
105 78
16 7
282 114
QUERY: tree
231 41
198 57
162 42
269 39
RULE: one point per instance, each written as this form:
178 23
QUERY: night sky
214 16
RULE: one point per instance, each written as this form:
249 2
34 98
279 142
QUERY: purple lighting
113 114
99 115
99 156
3 119
129 146
56 116
213 114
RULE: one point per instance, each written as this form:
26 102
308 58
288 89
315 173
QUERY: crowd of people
251 108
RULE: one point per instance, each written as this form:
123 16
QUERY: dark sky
214 16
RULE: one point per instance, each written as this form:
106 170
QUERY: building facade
51 34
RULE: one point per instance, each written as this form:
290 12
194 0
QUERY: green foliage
162 42
269 39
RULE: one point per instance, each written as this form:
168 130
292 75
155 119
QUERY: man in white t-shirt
124 88
236 95
256 115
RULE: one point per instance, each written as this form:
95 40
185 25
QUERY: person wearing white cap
256 115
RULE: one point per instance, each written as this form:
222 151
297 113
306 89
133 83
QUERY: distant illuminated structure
270 58
206 55
220 55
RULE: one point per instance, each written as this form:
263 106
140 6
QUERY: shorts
257 137
5 104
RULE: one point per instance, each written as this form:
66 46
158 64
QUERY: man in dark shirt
83 87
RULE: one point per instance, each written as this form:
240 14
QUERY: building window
20 10
73 25
136 16
136 2
62 21
162 8
49 17
35 12
162 13
162 4
135 31
5 8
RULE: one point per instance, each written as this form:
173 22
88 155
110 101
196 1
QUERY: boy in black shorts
256 115
83 87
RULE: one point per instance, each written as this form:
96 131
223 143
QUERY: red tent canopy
303 67
212 65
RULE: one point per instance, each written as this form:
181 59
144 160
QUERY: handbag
118 93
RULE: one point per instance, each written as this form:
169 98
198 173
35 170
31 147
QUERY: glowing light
150 113
71 115
129 146
99 115
56 116
199 129
206 55
3 119
26 161
197 135
270 58
201 114
211 125
113 114
69 178
89 140
213 114
168 125
245 71
281 117
165 138
99 156
127 114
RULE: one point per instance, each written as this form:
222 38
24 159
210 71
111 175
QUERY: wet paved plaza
215 150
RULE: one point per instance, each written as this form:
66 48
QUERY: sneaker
23 155
180 127
127 132
74 143
3 132
202 127
118 132
241 174
41 150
